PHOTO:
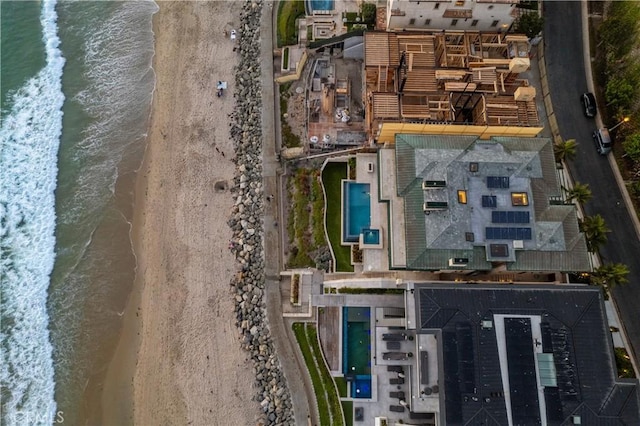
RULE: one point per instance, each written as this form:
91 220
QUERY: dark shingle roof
574 329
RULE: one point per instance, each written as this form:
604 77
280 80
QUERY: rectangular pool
356 350
356 210
320 5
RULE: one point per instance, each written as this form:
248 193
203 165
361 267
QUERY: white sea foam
29 141
117 61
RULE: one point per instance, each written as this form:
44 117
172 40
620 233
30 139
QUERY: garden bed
295 290
329 407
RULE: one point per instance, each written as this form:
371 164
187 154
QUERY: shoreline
165 370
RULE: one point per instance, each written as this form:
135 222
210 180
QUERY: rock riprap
246 221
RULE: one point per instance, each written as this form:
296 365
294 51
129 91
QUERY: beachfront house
475 15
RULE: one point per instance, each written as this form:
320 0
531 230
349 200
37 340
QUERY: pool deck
374 259
387 172
329 22
381 387
329 333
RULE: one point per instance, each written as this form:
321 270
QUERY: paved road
567 81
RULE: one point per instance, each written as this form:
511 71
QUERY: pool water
361 387
371 236
356 350
321 4
356 214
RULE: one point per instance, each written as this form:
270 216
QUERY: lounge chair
393 346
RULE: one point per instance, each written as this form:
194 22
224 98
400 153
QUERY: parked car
589 104
603 141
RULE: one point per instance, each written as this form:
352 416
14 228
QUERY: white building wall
430 15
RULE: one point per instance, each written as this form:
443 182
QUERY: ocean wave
29 138
108 82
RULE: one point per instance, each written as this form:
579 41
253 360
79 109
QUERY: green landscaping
327 380
302 234
341 383
285 58
617 73
332 177
329 407
347 409
288 12
317 212
289 139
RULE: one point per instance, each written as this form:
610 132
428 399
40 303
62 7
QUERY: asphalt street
567 81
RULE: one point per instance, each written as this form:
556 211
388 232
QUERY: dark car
589 104
603 141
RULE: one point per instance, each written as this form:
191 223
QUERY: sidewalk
291 362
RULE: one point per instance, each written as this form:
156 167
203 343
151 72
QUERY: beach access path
293 367
189 368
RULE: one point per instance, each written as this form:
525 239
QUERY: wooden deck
329 334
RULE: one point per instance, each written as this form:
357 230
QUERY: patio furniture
393 345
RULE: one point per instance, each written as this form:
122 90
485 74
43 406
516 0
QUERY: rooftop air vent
434 205
518 244
458 261
433 184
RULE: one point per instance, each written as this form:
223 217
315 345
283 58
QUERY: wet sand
179 359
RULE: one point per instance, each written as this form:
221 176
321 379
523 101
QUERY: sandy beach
179 360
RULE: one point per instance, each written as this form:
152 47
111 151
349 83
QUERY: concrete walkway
287 350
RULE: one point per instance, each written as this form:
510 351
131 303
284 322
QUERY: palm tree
611 275
595 232
579 193
565 150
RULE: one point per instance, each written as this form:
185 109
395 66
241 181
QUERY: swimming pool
356 350
371 236
356 210
320 5
361 387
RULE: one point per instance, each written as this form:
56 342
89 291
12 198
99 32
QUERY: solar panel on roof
522 372
492 233
507 233
509 217
523 217
466 366
489 201
501 182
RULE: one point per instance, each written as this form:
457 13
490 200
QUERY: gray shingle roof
527 164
